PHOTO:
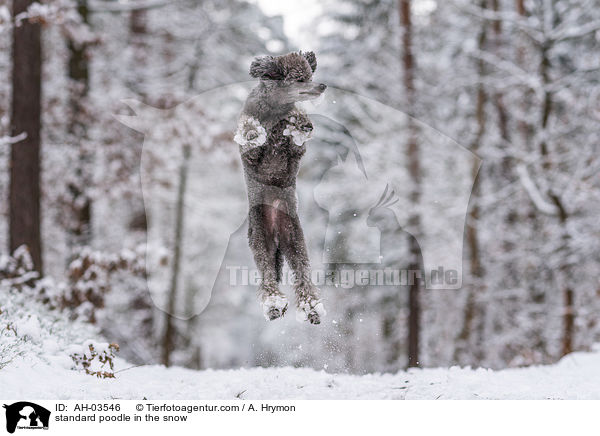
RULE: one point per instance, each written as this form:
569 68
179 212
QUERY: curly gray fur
270 168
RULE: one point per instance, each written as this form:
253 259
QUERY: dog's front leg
250 136
299 130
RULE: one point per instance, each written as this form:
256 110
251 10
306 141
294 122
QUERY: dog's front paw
249 134
299 128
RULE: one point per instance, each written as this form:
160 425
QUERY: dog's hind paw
274 306
308 303
312 314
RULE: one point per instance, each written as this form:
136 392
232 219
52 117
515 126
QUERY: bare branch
534 193
509 67
508 16
575 31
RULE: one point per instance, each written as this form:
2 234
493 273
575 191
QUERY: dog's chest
280 159
277 160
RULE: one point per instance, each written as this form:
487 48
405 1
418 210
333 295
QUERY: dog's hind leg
279 264
308 302
265 251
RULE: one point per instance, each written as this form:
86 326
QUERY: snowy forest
459 135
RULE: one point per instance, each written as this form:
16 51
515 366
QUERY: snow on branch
510 68
104 6
534 193
575 31
507 16
9 140
56 12
38 13
565 31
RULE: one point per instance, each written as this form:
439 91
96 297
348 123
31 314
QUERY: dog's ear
266 67
311 58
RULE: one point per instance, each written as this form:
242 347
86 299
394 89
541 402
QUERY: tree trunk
138 31
565 268
472 235
568 321
390 310
25 155
506 167
521 56
81 204
414 169
168 342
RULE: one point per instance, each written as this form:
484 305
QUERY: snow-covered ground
36 345
577 376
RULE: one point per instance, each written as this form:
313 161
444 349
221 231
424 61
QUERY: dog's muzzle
316 91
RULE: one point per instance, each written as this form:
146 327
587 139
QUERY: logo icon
26 415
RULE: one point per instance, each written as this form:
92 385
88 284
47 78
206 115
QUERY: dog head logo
370 194
26 415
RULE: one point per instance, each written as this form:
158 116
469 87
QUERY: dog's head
288 78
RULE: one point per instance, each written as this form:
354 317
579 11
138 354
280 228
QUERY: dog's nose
322 86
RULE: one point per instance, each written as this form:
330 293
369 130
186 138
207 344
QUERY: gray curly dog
272 134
